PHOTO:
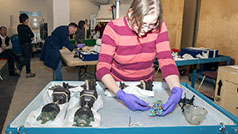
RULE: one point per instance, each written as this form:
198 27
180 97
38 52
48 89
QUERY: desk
195 62
68 58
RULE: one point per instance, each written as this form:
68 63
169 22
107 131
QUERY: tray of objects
194 114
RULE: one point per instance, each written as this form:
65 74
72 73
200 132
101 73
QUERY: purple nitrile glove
78 50
80 45
131 101
172 101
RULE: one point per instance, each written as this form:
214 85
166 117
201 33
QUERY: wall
218 26
50 16
173 16
81 9
12 7
58 13
188 23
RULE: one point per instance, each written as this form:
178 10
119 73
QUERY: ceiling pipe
117 9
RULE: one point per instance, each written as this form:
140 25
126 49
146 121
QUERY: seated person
7 52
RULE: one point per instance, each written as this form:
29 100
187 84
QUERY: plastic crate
196 51
88 56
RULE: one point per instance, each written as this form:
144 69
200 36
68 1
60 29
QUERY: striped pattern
129 58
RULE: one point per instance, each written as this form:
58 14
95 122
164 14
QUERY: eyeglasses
149 26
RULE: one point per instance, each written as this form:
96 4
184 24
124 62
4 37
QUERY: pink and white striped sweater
128 57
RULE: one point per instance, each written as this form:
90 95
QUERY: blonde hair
142 8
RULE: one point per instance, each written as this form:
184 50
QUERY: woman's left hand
172 101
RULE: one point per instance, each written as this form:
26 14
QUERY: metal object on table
146 85
48 113
123 85
60 95
84 115
183 102
136 124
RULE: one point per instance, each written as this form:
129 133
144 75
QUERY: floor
27 88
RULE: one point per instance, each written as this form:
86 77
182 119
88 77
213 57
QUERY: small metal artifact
48 113
183 102
146 85
123 85
60 95
84 115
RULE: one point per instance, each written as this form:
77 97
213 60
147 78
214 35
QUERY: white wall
50 16
12 7
61 12
58 13
81 10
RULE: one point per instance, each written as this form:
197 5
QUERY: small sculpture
148 85
183 102
123 86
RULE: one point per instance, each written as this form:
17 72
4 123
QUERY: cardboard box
226 93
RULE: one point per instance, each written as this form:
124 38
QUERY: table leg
228 62
79 73
194 76
201 69
95 69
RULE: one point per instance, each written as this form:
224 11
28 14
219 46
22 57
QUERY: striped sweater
128 57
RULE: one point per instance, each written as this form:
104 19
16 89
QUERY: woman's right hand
131 101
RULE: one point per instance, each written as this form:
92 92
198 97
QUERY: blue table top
202 61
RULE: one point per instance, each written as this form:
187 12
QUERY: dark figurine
123 86
183 102
148 85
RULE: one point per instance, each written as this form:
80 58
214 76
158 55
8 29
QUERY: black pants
11 57
26 50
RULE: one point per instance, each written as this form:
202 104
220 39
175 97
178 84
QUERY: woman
128 50
80 34
25 37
